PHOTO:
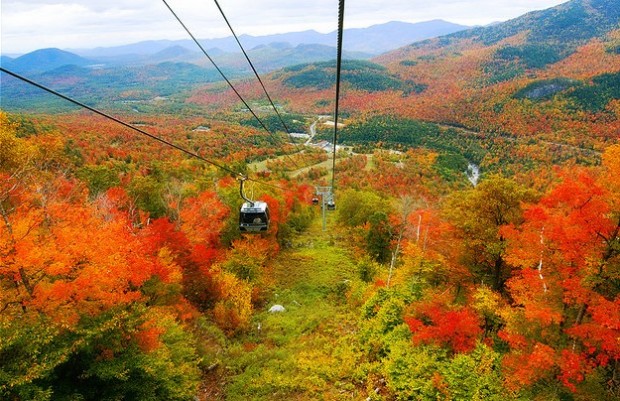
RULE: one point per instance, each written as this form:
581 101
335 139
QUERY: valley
471 247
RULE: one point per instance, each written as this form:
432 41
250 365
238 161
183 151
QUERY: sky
27 25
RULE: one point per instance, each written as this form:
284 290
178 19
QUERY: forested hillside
115 251
539 89
123 262
124 274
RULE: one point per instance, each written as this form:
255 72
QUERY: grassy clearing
303 353
370 165
325 164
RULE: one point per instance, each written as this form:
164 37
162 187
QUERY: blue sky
34 24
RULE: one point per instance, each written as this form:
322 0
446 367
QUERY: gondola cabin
331 205
315 200
254 217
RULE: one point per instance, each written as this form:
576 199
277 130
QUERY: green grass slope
305 352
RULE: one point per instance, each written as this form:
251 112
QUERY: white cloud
34 24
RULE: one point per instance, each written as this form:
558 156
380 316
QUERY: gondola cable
327 192
338 68
219 70
238 175
258 78
260 81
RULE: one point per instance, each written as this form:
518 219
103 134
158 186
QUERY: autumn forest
473 253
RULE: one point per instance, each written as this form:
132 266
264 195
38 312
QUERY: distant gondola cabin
254 217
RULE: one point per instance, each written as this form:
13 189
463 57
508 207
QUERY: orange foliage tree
568 252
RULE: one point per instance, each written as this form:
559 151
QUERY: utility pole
325 193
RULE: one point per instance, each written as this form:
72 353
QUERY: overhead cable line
218 69
222 73
338 68
132 127
260 81
252 65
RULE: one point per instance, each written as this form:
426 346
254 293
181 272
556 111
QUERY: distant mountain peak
46 60
173 51
381 38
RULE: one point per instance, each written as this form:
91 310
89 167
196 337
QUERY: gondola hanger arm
242 178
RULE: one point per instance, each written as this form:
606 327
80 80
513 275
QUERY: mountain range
550 75
372 40
481 78
166 67
267 52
